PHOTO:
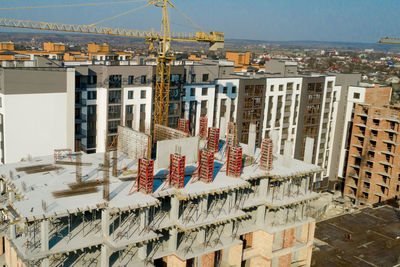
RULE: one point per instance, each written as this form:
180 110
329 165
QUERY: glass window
131 79
114 112
114 81
129 109
92 95
114 97
143 79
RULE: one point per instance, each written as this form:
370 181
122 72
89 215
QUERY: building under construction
199 202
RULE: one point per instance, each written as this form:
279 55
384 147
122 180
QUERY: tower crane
389 40
163 39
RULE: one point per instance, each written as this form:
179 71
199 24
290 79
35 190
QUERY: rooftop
42 182
374 241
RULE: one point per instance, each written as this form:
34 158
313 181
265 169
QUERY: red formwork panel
183 125
234 163
203 127
177 170
213 139
266 154
206 166
145 176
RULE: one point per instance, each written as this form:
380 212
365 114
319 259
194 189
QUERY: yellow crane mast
163 39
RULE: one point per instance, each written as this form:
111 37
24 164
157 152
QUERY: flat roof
37 180
374 241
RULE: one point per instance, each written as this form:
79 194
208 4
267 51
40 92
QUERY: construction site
200 201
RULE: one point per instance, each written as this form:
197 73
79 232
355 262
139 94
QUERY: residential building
373 95
372 176
36 111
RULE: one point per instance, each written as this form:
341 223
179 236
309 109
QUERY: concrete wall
189 147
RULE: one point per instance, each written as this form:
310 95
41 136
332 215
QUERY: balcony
360 125
389 142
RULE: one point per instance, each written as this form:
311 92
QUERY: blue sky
274 20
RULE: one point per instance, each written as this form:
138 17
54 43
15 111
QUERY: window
143 79
205 77
114 97
131 79
91 109
225 90
114 81
92 95
192 91
129 109
356 96
113 126
130 94
143 94
204 91
234 89
92 79
114 112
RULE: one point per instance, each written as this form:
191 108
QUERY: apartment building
281 113
372 175
318 112
36 111
370 94
109 96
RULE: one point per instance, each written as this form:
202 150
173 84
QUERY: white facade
199 93
35 124
281 118
227 92
356 94
140 98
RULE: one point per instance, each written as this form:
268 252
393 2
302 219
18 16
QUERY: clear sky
273 20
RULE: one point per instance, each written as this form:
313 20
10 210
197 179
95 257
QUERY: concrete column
251 144
142 252
308 150
223 126
260 216
11 196
173 239
263 188
13 234
144 217
105 258
45 262
44 235
174 214
105 222
2 187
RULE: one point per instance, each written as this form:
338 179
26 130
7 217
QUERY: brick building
372 172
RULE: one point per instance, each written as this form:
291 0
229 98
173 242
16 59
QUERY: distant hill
127 42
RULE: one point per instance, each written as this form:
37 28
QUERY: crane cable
73 5
188 19
118 15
